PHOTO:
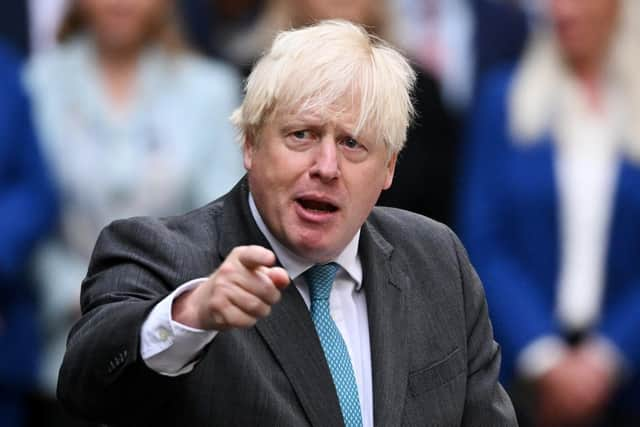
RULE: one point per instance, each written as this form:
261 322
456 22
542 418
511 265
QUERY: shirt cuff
609 354
169 347
540 357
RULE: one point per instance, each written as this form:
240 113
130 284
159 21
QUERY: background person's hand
575 391
241 291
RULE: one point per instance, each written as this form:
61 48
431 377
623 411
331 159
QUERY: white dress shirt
171 348
586 169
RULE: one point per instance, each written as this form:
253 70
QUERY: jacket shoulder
188 226
176 242
411 232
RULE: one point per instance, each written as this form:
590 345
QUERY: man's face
313 182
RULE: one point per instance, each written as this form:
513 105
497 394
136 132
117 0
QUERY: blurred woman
550 213
133 124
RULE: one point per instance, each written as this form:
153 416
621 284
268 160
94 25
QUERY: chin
316 252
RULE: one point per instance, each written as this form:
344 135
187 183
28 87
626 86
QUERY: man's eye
301 134
352 144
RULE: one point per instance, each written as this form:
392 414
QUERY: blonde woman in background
550 213
133 124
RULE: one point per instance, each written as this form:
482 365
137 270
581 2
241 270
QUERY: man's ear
391 168
247 152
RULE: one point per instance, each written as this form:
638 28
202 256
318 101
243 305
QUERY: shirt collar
295 265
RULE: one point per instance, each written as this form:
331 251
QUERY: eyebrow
300 124
316 119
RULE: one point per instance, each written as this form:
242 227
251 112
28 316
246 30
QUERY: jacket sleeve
620 311
621 326
135 264
486 401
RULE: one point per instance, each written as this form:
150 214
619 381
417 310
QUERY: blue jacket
509 221
27 211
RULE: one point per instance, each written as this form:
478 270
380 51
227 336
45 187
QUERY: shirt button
163 334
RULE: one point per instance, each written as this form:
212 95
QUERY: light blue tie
320 279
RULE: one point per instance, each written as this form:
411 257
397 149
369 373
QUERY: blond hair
543 79
316 67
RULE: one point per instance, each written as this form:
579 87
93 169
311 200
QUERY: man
194 321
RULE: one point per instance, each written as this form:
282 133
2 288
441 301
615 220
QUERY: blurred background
526 143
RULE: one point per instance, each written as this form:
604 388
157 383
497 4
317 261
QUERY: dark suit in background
424 180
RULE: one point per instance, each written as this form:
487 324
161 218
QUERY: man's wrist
167 346
183 312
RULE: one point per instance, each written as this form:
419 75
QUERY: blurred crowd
526 143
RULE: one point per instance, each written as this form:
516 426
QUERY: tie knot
320 279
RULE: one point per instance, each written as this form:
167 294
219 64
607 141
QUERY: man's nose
325 164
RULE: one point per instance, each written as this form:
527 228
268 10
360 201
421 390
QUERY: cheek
276 174
366 186
286 168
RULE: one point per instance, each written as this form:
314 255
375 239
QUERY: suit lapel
386 309
291 336
288 331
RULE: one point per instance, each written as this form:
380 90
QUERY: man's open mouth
317 205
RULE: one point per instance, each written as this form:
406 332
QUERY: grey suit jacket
434 361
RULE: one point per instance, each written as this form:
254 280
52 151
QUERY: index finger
254 256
